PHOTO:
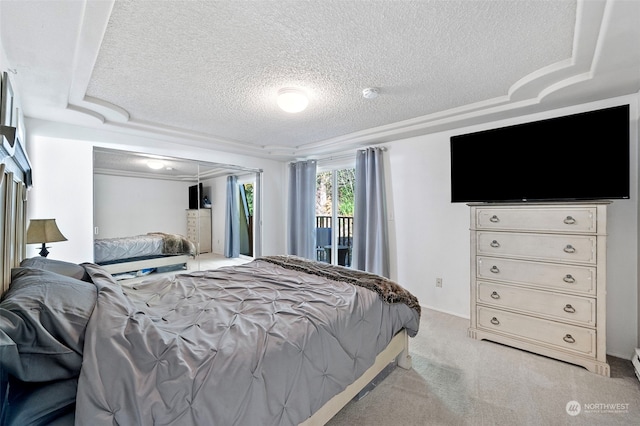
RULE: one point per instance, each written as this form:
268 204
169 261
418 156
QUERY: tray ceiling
207 73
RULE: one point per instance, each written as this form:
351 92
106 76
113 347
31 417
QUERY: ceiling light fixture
292 100
155 164
370 93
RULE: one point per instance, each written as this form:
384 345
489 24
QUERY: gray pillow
58 266
43 317
41 403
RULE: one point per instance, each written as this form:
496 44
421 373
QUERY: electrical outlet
438 282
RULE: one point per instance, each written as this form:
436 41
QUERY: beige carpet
201 262
456 380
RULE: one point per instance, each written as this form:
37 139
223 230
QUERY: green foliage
323 194
346 192
248 190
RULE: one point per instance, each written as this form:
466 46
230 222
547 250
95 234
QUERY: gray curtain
370 234
257 216
302 209
232 216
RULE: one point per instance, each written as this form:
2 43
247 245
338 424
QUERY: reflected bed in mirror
137 194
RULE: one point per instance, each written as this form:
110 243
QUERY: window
334 205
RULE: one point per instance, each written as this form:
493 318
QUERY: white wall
62 157
431 235
63 189
127 206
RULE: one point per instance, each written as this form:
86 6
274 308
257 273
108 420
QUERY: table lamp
43 231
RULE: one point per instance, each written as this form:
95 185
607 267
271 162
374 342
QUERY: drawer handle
570 309
569 220
495 244
569 339
569 249
494 219
495 295
569 279
495 321
494 269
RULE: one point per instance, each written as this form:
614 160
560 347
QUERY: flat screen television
575 157
195 195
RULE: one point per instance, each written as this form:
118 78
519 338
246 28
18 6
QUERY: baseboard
621 356
455 314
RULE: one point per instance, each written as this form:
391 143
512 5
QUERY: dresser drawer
569 337
567 220
568 278
196 213
552 247
560 307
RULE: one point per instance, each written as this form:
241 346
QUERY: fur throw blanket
176 244
389 291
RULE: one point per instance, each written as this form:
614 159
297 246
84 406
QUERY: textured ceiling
215 67
206 73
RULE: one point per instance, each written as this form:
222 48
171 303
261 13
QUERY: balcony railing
324 231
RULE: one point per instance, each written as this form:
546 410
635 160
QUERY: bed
277 341
158 250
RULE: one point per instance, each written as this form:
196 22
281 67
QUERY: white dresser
199 229
538 279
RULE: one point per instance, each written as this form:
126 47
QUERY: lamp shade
43 231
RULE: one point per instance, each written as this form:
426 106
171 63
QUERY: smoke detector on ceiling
370 93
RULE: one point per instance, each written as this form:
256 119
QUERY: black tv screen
576 157
195 195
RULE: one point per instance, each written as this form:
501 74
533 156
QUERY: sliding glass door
334 215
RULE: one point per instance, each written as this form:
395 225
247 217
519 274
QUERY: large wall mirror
137 194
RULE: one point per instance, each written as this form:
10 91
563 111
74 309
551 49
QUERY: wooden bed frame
13 189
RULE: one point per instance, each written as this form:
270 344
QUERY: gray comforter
151 244
257 344
109 249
